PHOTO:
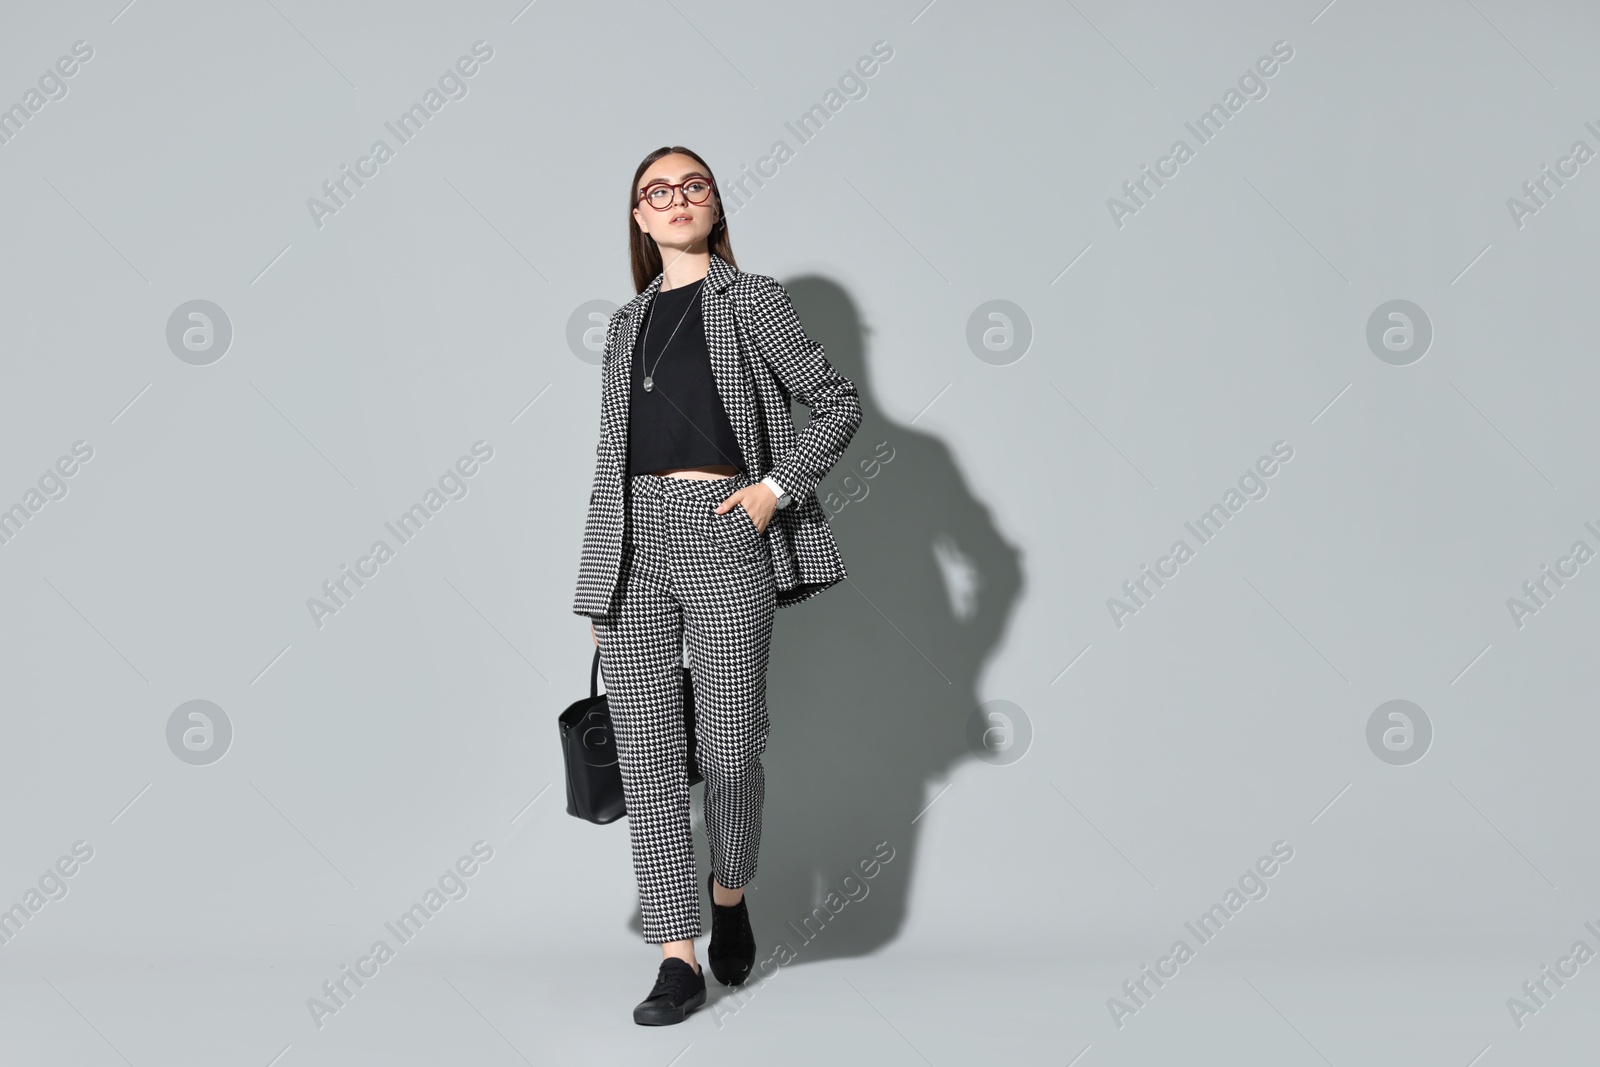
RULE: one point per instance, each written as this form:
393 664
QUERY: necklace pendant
649 383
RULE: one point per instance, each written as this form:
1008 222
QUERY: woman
703 520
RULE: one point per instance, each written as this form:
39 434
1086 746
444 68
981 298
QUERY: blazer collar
719 275
715 308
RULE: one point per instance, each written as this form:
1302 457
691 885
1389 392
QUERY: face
683 226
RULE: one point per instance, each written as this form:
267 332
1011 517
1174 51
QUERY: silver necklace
649 378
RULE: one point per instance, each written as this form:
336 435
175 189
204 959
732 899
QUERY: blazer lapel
618 381
722 342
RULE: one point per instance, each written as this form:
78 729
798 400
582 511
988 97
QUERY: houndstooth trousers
689 576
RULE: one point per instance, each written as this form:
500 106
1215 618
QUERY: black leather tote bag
589 749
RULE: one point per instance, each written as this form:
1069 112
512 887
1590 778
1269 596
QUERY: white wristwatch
771 483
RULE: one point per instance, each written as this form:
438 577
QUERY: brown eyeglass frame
677 187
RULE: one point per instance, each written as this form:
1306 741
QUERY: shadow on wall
872 682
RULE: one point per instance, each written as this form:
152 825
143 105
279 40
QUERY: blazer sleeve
805 374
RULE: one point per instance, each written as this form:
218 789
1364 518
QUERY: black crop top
681 421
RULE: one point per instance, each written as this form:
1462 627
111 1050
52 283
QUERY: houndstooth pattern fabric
689 573
761 358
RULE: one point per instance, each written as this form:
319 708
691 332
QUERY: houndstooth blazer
760 358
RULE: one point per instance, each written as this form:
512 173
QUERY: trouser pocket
735 531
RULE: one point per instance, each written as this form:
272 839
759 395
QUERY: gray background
1159 759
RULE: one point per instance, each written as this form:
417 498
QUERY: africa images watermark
452 86
1252 486
1252 886
853 890
852 85
1541 588
1252 86
1542 189
1538 991
452 885
52 486
853 488
52 86
452 486
52 886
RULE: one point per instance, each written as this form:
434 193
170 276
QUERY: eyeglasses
659 195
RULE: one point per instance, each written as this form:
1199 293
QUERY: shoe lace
731 928
672 980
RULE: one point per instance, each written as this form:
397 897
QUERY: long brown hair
643 254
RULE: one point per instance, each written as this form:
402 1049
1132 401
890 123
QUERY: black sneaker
732 951
679 989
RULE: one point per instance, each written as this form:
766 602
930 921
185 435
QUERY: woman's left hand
759 503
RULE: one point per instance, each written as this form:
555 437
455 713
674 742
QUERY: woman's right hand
594 635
